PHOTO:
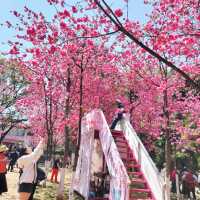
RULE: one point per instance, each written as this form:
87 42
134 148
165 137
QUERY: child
55 168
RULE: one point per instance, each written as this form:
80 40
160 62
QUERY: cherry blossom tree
89 54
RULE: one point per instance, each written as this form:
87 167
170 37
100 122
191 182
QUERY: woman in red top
3 162
173 180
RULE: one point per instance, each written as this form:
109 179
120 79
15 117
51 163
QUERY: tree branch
150 51
13 124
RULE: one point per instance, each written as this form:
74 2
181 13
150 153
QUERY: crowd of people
188 180
25 160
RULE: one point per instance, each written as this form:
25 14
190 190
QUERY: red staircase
138 188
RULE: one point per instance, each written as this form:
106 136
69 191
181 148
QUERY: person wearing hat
3 170
27 164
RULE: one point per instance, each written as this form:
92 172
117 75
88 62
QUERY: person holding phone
28 168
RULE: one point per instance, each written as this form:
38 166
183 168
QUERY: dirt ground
48 193
12 179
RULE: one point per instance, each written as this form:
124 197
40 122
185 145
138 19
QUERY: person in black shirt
13 156
119 114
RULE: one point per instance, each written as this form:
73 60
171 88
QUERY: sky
137 10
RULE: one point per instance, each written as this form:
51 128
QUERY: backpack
189 177
41 175
190 180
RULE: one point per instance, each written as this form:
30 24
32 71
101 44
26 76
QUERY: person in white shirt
27 165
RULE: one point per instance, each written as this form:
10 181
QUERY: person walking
189 181
3 170
13 158
55 168
28 168
173 180
119 114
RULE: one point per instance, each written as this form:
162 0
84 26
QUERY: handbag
41 175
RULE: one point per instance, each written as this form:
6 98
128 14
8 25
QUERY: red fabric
54 173
3 162
190 180
173 175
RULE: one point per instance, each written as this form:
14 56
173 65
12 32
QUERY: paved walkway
12 179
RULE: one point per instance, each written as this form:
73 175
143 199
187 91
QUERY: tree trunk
177 188
46 166
167 145
177 178
60 191
48 120
80 119
168 168
48 155
49 146
54 149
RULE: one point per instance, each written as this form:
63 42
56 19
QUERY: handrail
148 168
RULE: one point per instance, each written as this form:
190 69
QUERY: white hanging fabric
119 179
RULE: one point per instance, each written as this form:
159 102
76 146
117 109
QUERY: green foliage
12 88
49 192
159 155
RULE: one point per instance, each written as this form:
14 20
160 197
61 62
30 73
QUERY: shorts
26 187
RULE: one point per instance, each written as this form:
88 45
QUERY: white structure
148 168
119 179
119 182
